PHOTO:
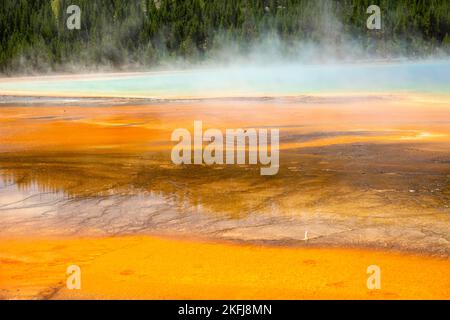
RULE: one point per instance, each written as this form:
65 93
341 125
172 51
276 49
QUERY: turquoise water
427 77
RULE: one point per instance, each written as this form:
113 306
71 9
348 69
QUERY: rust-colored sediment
148 267
160 268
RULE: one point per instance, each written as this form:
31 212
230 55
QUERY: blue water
426 77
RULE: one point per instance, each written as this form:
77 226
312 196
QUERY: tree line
122 33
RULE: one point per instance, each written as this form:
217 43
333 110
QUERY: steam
329 42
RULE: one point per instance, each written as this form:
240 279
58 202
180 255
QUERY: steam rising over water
256 81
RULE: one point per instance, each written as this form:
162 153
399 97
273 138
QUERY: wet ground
365 171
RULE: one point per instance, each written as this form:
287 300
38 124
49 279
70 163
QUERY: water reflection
336 193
